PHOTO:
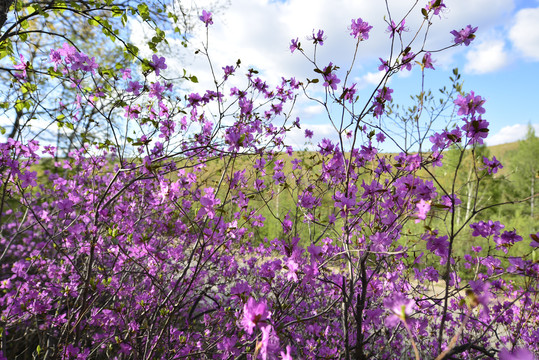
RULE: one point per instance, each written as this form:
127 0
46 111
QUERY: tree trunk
532 192
4 8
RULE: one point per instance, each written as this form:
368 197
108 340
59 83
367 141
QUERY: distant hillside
500 150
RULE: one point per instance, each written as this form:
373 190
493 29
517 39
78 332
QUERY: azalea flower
254 314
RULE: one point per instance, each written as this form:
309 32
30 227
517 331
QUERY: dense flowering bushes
132 250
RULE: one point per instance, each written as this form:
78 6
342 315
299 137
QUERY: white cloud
486 57
259 32
302 16
486 15
313 109
370 78
525 33
510 134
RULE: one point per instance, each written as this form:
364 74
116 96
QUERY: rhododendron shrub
130 249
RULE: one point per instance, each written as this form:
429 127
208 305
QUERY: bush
152 246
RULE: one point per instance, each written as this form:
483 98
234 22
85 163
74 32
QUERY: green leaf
143 11
194 79
23 104
61 7
32 9
2 130
116 11
6 48
424 12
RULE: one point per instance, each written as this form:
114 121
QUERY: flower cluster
205 235
464 36
360 29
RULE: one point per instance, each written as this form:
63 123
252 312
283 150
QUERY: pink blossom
423 208
464 36
158 63
255 314
206 18
360 29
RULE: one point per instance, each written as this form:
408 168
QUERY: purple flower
400 307
427 61
464 36
423 208
437 245
407 61
56 58
470 104
246 106
156 90
294 45
383 95
507 239
331 80
396 29
326 147
480 293
269 344
476 129
126 74
360 29
206 18
516 354
307 200
431 5
349 93
293 267
277 108
535 240
384 66
486 229
308 134
279 177
286 356
229 70
318 38
132 112
287 224
158 63
209 203
22 66
342 201
448 201
254 314
492 166
28 178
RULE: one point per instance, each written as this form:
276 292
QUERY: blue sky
501 65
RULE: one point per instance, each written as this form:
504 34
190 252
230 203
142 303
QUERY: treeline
514 186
